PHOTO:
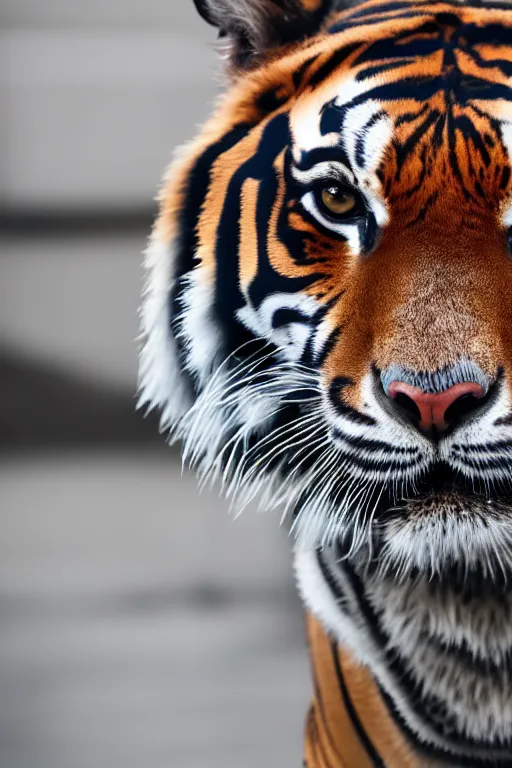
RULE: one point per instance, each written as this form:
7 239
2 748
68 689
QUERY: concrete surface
95 96
139 625
73 302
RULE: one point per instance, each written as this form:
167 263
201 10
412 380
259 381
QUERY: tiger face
327 323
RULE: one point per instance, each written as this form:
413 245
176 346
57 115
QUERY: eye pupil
338 201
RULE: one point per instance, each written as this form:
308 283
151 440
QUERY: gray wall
95 95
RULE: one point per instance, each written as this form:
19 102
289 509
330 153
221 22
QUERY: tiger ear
256 27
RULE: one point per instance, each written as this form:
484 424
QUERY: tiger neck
348 724
404 676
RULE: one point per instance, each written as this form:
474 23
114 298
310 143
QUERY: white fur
305 117
197 326
407 616
331 170
482 438
376 138
481 703
430 536
290 338
160 381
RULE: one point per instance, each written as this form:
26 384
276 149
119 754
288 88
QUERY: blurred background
139 624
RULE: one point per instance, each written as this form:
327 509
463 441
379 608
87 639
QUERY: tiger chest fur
327 329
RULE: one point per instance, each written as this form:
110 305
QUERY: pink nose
433 408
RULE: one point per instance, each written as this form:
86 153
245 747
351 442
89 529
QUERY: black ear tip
204 10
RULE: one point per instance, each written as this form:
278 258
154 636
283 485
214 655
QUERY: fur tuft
256 27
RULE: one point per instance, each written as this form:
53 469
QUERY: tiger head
327 322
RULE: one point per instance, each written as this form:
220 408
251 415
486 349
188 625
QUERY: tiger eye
338 201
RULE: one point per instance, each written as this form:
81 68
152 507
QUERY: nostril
408 406
437 402
434 412
464 406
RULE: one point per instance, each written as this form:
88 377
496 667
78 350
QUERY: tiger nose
435 412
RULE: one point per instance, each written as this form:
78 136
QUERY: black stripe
424 706
411 117
333 585
418 89
462 761
276 137
336 398
308 159
378 69
496 445
404 150
505 178
349 706
360 149
319 746
197 187
228 296
398 52
321 708
342 26
377 445
332 63
329 344
464 655
385 7
301 72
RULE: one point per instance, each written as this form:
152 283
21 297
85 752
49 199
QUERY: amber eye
338 201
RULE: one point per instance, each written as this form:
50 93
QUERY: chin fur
447 536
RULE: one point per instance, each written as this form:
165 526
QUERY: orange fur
430 294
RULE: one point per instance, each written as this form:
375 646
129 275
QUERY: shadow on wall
44 407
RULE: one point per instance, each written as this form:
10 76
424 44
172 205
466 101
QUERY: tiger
326 328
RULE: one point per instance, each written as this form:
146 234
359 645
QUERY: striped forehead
429 63
360 142
375 13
